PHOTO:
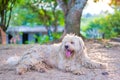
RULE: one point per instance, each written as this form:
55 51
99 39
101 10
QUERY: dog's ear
81 43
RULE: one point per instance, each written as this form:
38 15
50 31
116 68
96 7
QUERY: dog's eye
72 42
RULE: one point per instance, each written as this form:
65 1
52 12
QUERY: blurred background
44 21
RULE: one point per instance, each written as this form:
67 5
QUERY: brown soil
102 52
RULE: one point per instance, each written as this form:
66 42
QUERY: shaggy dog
70 55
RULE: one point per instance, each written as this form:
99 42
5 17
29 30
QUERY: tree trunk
2 36
72 22
72 10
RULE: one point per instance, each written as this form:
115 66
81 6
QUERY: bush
45 38
104 27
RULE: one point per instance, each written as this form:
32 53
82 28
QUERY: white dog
70 55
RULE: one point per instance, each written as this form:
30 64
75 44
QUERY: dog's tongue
68 53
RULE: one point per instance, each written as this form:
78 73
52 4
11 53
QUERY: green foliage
23 15
28 12
56 36
45 38
108 26
6 7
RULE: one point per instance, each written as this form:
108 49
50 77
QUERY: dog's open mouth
69 53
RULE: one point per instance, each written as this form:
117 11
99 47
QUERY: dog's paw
41 70
79 72
96 65
21 70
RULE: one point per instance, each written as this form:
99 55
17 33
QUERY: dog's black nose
66 46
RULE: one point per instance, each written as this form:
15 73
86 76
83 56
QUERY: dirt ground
102 52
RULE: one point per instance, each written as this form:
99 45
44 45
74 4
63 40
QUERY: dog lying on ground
70 55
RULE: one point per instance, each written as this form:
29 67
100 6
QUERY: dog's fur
70 55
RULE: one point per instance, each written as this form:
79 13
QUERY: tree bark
2 36
72 22
72 10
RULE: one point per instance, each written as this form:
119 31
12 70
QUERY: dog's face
72 45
